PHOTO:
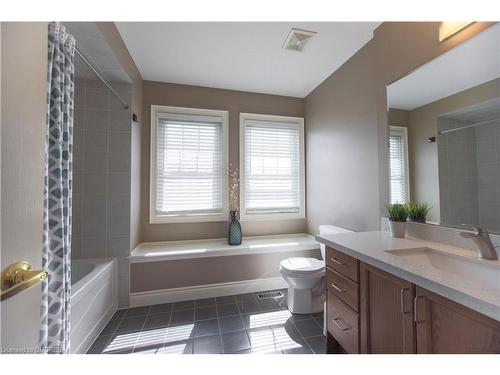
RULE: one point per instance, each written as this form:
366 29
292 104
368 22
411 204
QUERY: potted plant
418 211
397 214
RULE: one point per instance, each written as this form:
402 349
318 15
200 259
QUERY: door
386 312
446 327
23 77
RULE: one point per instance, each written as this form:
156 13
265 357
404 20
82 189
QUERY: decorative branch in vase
234 233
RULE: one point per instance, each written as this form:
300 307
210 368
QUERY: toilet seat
302 267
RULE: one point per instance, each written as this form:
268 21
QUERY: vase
234 232
398 228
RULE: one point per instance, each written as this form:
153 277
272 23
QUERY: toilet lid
302 265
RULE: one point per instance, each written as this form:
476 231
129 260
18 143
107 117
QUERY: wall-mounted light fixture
447 29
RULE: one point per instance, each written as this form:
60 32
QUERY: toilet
306 278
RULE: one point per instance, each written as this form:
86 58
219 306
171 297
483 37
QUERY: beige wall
424 176
398 117
210 98
24 79
204 271
355 190
341 147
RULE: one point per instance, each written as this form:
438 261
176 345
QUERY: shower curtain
56 291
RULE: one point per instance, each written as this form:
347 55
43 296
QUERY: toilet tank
330 229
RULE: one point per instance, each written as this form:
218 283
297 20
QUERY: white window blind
398 164
189 165
272 168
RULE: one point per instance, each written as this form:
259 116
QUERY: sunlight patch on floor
269 319
122 341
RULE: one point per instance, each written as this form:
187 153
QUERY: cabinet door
343 324
446 327
386 312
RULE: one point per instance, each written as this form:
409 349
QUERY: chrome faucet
482 239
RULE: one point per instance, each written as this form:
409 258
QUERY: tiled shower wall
101 190
488 174
469 175
457 159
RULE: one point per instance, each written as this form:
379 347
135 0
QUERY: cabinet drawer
343 324
344 288
343 264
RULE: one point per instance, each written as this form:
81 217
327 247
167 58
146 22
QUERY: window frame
299 123
186 218
404 131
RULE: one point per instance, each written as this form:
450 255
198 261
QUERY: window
398 164
271 167
188 165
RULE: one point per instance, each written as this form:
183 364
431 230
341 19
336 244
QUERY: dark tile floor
232 324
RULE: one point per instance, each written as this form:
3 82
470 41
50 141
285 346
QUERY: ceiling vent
297 39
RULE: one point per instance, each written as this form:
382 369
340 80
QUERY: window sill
193 249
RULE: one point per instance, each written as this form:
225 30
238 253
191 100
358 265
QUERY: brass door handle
18 277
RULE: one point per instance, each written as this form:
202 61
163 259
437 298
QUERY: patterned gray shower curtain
56 291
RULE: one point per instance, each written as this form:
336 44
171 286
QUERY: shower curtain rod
467 126
87 61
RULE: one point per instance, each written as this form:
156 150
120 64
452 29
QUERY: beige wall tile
119 142
96 120
96 99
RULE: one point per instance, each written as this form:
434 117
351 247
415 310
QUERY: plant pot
398 228
417 220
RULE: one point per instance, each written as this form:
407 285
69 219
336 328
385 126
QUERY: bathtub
94 300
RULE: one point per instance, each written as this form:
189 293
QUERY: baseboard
155 297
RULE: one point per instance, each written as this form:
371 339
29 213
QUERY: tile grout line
164 344
142 328
218 325
112 332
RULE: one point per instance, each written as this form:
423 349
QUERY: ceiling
246 56
95 47
470 64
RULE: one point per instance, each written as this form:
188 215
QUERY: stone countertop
372 248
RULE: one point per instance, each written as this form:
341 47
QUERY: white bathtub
94 300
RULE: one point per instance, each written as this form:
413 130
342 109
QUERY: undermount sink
472 269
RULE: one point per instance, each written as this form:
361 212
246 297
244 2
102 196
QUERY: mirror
444 134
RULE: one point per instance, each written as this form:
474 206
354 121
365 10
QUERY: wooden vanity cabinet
446 327
368 310
342 300
386 312
372 311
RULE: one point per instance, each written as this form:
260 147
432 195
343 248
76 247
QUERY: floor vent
272 294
